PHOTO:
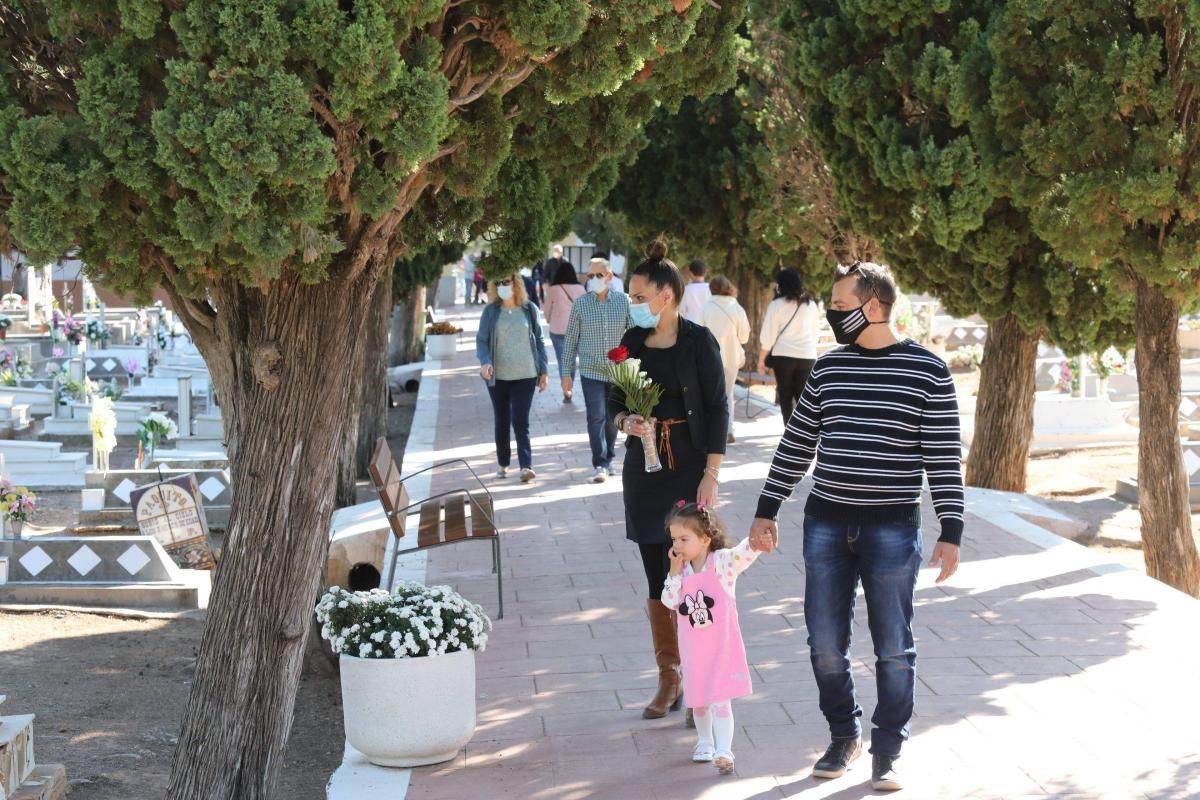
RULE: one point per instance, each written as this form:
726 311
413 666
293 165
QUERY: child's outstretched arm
732 562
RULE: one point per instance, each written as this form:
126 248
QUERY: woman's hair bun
656 250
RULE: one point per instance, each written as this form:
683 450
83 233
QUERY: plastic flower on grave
57 352
132 366
6 359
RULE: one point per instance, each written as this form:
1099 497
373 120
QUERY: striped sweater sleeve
941 456
795 452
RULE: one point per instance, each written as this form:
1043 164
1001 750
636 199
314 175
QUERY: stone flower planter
440 346
407 712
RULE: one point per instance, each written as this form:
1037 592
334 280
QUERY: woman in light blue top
512 359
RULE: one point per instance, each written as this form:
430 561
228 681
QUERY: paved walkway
1041 672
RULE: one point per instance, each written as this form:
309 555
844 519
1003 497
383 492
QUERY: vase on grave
16 526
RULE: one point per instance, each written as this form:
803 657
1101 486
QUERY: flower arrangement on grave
415 620
98 332
6 322
17 505
442 329
1068 376
67 327
111 390
11 301
1109 363
52 368
103 424
968 357
640 395
132 366
153 428
78 391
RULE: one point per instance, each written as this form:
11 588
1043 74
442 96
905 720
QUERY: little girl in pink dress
704 571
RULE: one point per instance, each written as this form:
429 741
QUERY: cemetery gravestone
171 511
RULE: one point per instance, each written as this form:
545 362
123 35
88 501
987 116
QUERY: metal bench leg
499 576
392 567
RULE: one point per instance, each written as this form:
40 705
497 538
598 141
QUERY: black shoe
837 758
884 777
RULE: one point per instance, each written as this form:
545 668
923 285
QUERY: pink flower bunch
132 366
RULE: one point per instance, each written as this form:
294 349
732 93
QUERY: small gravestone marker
172 511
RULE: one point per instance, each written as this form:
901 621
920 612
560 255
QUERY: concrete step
45 782
150 596
43 464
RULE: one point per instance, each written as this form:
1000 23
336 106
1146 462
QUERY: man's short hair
557 249
874 280
599 262
697 267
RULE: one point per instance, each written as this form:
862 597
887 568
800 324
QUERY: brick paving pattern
1036 678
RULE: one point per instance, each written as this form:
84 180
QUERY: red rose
618 354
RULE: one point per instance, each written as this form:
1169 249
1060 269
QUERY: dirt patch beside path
109 693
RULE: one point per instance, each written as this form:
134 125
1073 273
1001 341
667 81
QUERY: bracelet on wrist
714 472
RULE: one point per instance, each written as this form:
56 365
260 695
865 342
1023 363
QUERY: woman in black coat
693 420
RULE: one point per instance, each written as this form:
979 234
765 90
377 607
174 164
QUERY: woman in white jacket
728 323
789 339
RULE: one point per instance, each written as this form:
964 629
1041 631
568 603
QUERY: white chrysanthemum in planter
407 669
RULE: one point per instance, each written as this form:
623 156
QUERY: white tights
714 726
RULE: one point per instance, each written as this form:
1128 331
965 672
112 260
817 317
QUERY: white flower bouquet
415 620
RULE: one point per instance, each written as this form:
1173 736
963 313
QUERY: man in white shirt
696 293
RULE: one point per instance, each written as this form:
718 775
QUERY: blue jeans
511 401
886 557
559 340
602 434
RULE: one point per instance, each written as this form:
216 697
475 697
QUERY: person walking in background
788 341
597 322
727 321
616 285
692 415
512 359
696 293
480 285
561 295
531 292
880 416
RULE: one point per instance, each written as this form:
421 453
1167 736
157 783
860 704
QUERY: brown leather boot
666 654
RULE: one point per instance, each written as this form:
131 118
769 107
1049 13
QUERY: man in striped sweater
878 414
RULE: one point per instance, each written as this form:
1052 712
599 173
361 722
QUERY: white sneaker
502 472
723 761
612 471
527 475
703 754
599 475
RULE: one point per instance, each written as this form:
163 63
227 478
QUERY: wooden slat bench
442 518
750 378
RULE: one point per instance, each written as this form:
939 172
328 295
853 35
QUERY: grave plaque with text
172 511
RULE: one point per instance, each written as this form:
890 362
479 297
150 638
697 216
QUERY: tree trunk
1167 541
1004 409
287 363
408 323
372 421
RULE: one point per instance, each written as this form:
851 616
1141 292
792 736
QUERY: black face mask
848 325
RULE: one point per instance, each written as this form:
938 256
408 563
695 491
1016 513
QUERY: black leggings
656 560
790 376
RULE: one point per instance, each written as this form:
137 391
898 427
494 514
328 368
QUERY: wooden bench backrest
431 529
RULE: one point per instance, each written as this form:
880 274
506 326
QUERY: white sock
704 726
722 725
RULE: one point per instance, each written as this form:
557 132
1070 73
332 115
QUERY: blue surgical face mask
642 317
597 285
504 292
